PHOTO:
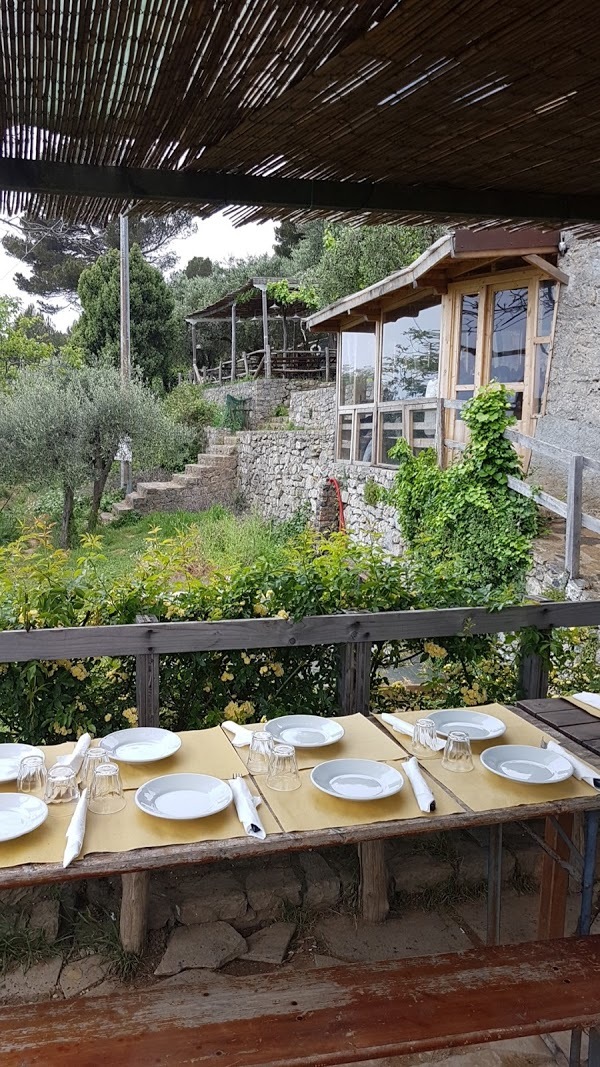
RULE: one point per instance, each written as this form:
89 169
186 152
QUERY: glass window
515 405
468 339
464 395
542 353
423 429
345 436
391 432
365 439
410 354
358 365
509 335
548 292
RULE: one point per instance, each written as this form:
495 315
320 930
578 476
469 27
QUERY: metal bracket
575 869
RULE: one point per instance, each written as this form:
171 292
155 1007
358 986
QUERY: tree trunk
101 475
66 526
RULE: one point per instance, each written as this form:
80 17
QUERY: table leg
554 886
494 885
590 842
373 889
134 910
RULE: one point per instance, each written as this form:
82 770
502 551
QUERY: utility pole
125 446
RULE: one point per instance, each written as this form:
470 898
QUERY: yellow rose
246 658
226 677
435 651
283 614
264 670
260 609
107 718
277 670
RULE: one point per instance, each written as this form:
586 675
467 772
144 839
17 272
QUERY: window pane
515 405
509 336
411 353
548 293
423 429
358 365
541 368
365 439
464 395
468 339
345 436
391 432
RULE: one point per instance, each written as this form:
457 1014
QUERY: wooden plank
533 673
164 637
588 521
561 455
134 911
573 530
373 888
147 668
558 507
547 268
554 881
320 1018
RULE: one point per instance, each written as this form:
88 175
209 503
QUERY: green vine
285 296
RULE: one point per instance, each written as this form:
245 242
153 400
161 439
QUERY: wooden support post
373 889
194 346
147 669
533 671
554 884
573 530
233 345
354 681
265 326
220 379
134 911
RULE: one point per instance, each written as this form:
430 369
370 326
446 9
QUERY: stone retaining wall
264 397
314 408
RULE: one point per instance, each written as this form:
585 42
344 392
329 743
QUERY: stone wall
314 408
279 472
264 397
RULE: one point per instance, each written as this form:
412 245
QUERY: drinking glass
283 770
424 738
92 759
106 791
457 753
32 776
61 790
261 747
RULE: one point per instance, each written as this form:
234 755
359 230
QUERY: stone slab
21 986
45 918
209 946
270 944
415 934
322 884
82 974
211 897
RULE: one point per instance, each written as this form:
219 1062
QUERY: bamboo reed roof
461 111
247 300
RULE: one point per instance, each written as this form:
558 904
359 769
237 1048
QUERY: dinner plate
20 813
305 731
356 779
477 725
10 758
141 744
183 796
527 764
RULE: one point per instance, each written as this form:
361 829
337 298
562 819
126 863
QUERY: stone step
187 479
222 450
155 488
121 507
106 517
211 459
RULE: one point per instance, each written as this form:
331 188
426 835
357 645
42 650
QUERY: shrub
188 405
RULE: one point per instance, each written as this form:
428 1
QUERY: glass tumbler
106 791
424 738
457 753
32 776
92 759
283 770
62 791
259 755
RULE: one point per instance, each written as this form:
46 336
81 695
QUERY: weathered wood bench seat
321 1017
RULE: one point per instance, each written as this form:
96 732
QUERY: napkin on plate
245 805
593 699
407 729
76 830
75 759
240 736
582 771
423 795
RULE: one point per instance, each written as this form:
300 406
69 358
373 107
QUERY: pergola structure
248 301
461 111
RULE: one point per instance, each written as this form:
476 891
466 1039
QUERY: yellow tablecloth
361 740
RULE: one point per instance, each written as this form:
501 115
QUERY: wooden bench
319 1018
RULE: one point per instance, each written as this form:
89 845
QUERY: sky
216 238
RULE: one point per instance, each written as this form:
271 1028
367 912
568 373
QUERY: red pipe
341 520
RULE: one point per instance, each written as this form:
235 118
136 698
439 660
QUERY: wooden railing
288 363
571 510
354 632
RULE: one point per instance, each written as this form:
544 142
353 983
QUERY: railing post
573 531
533 673
327 374
147 669
354 688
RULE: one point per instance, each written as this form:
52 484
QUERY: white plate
475 724
356 779
305 731
10 758
141 744
183 796
527 764
20 813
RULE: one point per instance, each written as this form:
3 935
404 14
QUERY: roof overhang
247 303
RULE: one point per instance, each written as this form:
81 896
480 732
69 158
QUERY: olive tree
61 425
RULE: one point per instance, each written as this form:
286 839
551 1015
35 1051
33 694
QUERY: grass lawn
220 538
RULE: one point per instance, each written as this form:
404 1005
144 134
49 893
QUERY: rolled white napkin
582 771
75 759
593 699
423 795
245 805
76 830
240 736
408 729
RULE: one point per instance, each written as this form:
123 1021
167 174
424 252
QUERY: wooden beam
548 268
217 187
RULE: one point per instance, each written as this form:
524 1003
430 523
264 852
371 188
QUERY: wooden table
561 856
